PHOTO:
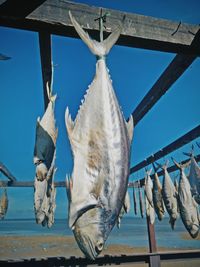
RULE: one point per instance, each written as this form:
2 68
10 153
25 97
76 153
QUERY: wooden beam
46 62
175 69
160 173
183 140
6 172
27 184
138 31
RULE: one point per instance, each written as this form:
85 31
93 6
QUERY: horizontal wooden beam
46 63
104 260
138 31
27 184
183 140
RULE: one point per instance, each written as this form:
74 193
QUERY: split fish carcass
187 205
157 196
148 187
141 201
3 204
134 201
169 195
44 159
100 139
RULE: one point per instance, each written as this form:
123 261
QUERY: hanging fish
150 213
157 196
125 209
187 205
3 204
169 195
44 159
100 139
194 177
141 201
148 187
46 135
134 201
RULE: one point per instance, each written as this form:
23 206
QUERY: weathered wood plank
46 62
139 31
183 140
27 184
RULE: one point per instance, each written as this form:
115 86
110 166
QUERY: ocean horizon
133 232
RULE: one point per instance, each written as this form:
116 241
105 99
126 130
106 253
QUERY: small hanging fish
169 195
149 211
100 139
194 177
134 201
3 204
157 196
125 209
187 205
148 187
141 201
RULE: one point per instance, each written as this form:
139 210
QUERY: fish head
41 171
194 230
89 232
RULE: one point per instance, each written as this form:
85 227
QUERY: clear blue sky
133 72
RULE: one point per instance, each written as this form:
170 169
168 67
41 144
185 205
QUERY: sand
26 247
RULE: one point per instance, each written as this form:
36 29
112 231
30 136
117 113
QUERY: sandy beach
26 247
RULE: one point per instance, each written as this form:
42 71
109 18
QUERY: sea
133 232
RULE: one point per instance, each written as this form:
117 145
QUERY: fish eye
99 247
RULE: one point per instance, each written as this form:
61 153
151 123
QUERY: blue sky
133 72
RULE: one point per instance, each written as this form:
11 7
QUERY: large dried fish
169 196
3 204
150 213
100 139
157 196
187 205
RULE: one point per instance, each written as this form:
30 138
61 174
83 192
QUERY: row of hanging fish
100 140
3 204
44 160
176 198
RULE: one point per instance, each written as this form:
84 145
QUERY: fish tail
181 166
97 48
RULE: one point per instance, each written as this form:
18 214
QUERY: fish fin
77 209
154 167
130 127
97 48
69 122
172 222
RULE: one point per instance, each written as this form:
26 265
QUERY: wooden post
45 54
154 260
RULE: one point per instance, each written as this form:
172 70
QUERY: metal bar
45 55
138 30
183 140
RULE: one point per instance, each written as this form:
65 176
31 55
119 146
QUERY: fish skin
157 197
187 205
169 195
100 140
3 204
148 187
